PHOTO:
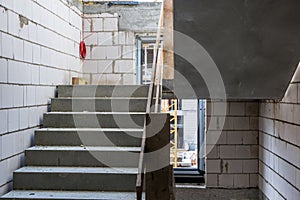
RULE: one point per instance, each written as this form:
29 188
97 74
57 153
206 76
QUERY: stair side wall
39 49
279 145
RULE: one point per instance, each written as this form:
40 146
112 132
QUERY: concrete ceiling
254 44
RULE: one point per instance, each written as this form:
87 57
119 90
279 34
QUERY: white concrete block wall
110 51
39 49
233 159
279 145
190 128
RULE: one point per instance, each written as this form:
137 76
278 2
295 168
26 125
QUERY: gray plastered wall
254 44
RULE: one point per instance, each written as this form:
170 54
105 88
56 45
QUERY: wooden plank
79 81
168 47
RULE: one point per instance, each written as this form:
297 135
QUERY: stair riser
102 91
98 105
81 158
17 198
87 138
74 181
63 120
60 195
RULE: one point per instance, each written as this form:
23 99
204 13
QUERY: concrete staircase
88 147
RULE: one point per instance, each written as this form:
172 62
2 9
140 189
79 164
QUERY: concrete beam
253 44
142 17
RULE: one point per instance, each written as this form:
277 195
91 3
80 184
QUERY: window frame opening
144 61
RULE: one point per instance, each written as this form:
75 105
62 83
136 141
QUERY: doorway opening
144 58
188 119
187 138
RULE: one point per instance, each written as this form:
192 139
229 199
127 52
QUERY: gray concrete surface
99 105
82 156
142 18
88 137
70 195
102 91
185 193
93 120
75 178
255 45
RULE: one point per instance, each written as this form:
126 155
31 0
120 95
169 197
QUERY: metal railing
155 81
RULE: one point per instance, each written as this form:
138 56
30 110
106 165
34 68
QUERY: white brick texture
97 24
3 19
110 52
3 69
13 120
18 49
3 121
280 145
38 48
110 24
234 156
105 38
124 66
7 46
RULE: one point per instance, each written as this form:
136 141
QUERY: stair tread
85 170
103 86
45 194
92 129
99 113
85 148
68 179
101 98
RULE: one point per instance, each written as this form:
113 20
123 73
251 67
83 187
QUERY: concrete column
159 173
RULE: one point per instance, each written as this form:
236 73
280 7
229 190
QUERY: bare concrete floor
201 193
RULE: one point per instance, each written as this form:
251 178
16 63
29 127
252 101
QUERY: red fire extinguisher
82 49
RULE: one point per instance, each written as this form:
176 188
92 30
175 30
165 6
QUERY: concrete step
93 120
75 179
88 137
67 195
82 156
103 91
99 104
